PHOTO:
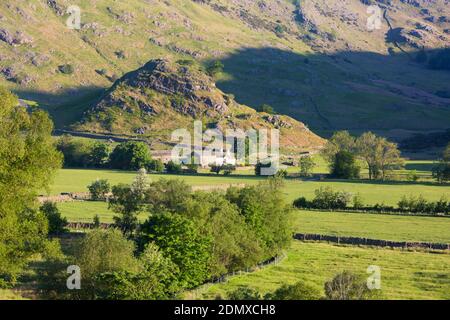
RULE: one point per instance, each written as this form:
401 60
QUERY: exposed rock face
164 96
192 94
59 10
19 38
278 122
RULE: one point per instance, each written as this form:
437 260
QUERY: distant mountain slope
163 96
313 60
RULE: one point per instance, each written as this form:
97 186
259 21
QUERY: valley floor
404 274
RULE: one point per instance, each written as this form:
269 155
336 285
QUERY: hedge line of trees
343 150
132 155
188 238
328 199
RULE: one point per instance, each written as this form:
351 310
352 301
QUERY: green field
85 211
374 226
77 180
404 274
389 193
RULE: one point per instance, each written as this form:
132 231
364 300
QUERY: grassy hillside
404 275
313 60
165 95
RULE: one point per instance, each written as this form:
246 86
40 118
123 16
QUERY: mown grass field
389 193
374 226
404 274
85 211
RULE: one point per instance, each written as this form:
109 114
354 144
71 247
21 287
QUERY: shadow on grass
419 166
67 106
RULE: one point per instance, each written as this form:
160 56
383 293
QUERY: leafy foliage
180 240
244 293
345 166
306 165
348 286
28 161
297 291
130 155
56 223
99 189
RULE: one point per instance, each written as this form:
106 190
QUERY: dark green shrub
56 223
99 189
66 69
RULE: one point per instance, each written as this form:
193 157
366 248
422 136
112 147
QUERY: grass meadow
389 193
374 226
404 274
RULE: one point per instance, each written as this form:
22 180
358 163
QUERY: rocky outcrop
164 96
16 39
189 93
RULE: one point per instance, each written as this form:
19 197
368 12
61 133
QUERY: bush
99 189
358 201
174 168
215 68
306 165
420 205
96 222
102 251
226 168
412 176
344 166
298 291
180 240
56 223
326 198
266 108
155 279
244 293
347 286
302 203
131 155
66 69
155 165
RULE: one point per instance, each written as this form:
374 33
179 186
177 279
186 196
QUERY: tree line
131 155
327 199
28 162
187 239
379 155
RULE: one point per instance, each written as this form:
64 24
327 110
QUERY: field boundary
316 237
373 212
372 242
